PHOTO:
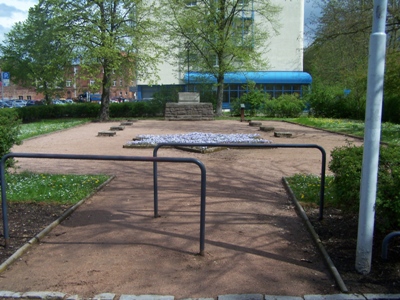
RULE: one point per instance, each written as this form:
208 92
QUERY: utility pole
369 176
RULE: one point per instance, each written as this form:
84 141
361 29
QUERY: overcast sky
17 10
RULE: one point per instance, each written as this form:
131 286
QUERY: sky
17 11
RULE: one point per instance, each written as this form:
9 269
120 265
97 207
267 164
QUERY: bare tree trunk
105 98
220 95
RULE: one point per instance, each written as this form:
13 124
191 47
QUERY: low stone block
267 128
106 133
117 128
253 123
282 134
126 123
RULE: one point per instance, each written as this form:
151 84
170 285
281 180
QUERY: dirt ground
254 240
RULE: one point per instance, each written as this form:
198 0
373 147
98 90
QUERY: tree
339 54
35 54
105 35
222 35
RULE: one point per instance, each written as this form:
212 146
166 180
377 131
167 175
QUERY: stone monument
189 108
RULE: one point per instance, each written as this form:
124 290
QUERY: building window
114 83
68 83
91 82
120 82
29 97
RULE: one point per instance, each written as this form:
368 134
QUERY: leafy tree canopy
222 36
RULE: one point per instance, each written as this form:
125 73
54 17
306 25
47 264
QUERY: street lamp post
187 46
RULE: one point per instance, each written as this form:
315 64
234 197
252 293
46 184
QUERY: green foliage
41 112
328 102
286 106
218 37
254 100
258 103
35 53
346 164
388 197
9 130
391 102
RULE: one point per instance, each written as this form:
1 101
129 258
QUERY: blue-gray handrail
105 157
323 163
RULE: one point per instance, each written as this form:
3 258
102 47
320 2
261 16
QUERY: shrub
346 164
9 130
334 103
288 106
253 100
41 112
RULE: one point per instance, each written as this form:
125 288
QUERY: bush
391 109
346 164
41 112
286 106
333 103
9 130
90 110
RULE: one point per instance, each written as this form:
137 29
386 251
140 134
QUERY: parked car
19 103
30 102
8 104
56 101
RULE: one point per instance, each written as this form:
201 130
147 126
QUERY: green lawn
50 188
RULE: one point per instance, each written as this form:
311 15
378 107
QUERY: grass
49 188
47 126
306 189
390 133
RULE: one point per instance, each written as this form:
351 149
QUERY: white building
284 52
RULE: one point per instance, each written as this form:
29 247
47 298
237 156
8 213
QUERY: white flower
199 137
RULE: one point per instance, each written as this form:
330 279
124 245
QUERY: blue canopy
266 77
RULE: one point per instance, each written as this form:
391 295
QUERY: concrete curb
36 239
111 296
332 269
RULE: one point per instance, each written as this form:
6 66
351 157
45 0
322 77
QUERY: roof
271 77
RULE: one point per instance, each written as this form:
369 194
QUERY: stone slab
106 133
267 128
117 128
282 134
188 97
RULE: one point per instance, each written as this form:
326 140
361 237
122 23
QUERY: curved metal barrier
323 164
105 157
385 243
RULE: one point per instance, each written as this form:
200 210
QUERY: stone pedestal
189 108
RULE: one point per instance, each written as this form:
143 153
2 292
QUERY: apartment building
75 85
283 51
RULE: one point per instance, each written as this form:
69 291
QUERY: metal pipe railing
323 163
385 243
105 157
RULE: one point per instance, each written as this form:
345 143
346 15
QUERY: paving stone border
110 296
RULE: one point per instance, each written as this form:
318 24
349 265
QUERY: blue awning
266 77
